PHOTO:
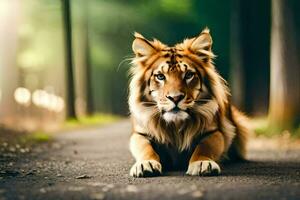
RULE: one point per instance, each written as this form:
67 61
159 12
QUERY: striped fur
176 97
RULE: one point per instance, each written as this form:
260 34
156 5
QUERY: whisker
128 59
164 104
149 103
202 100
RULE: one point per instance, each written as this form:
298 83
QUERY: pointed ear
141 46
202 44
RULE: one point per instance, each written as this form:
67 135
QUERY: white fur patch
203 167
146 168
175 117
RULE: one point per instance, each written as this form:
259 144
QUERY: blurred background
66 59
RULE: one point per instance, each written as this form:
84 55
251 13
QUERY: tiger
181 113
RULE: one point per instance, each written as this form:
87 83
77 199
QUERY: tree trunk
285 70
236 55
9 72
249 55
70 85
88 67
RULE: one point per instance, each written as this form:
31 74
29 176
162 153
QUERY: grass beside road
16 141
262 128
85 121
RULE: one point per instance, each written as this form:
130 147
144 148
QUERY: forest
67 59
65 127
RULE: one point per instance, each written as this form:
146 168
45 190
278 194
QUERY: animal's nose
176 98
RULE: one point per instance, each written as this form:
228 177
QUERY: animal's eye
189 75
160 77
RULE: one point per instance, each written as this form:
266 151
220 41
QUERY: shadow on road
285 169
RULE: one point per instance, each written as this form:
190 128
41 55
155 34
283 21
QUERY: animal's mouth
176 114
175 110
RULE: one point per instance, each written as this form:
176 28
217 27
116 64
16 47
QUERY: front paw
203 168
146 168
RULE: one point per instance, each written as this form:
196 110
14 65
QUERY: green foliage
297 132
40 35
97 119
108 26
39 136
261 126
29 139
112 23
176 7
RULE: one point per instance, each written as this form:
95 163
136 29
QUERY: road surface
94 164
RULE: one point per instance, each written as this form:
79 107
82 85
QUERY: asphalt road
94 164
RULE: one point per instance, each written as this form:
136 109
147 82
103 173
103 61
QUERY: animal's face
174 85
171 79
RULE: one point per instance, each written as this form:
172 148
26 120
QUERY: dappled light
52 102
22 96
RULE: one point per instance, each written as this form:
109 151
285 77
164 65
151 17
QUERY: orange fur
176 98
210 148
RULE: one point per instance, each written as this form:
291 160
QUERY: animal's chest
171 158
